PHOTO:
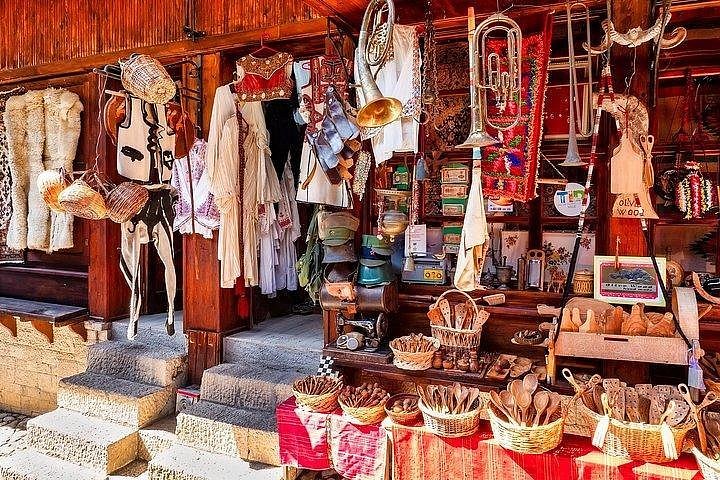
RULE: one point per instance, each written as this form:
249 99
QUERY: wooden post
627 15
209 311
108 292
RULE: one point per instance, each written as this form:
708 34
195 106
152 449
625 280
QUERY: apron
474 239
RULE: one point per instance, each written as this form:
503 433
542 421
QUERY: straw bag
413 360
50 183
636 441
147 79
450 425
364 415
125 201
85 197
533 439
710 468
459 339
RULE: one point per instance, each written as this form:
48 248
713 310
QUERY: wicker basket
451 425
414 360
50 183
325 403
125 201
147 79
85 197
454 340
517 438
403 418
710 468
364 415
636 441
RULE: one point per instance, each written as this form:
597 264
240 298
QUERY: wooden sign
626 206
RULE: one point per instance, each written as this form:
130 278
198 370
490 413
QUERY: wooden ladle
541 402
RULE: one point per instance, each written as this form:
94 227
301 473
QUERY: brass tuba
486 74
374 43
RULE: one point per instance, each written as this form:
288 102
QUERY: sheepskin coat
62 132
15 123
42 128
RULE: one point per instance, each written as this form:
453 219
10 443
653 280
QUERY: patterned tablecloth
317 441
420 455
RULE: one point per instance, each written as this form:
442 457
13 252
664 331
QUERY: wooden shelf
432 375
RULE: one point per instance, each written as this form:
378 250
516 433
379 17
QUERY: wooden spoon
508 401
530 382
541 401
516 388
473 395
554 404
497 401
523 400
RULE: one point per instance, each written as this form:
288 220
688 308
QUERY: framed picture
635 281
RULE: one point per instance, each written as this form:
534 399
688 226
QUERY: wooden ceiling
412 11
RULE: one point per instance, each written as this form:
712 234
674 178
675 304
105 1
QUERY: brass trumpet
374 43
486 74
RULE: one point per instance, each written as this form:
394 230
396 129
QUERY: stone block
115 399
156 438
238 432
33 465
181 462
91 443
137 362
247 386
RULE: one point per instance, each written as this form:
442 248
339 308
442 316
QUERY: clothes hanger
264 51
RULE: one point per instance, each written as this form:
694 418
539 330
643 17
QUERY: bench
42 316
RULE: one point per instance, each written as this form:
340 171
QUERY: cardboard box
454 207
455 173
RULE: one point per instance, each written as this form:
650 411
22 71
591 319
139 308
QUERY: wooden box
637 348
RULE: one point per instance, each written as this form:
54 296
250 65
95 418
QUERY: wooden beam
173 50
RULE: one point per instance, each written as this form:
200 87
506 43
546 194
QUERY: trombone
572 156
486 74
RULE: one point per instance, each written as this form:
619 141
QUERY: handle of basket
452 290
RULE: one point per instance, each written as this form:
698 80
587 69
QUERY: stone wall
31 367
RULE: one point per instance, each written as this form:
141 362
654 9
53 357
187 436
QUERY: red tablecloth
317 441
420 455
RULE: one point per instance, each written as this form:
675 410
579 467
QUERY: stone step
181 462
156 438
294 341
238 432
115 399
33 465
248 386
136 470
85 441
138 362
152 331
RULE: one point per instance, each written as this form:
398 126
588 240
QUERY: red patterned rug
510 169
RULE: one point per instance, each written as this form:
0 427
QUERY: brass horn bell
374 43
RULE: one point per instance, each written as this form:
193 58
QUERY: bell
409 264
379 111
